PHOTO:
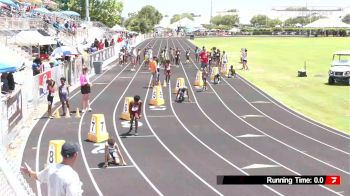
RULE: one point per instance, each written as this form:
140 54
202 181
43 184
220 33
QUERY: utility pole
211 10
87 15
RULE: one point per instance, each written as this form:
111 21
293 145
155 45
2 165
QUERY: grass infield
273 64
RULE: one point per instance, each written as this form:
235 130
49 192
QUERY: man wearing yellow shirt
153 69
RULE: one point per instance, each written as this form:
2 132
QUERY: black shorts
85 89
49 99
244 61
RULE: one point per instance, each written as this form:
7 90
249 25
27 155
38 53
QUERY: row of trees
144 20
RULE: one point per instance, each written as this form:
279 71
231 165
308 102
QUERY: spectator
51 93
106 43
5 84
100 45
112 42
96 43
36 67
61 179
11 81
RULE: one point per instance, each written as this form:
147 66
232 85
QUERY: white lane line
126 77
252 116
250 136
136 136
97 83
113 167
274 120
300 115
260 102
324 187
121 142
171 153
44 127
259 166
224 131
164 116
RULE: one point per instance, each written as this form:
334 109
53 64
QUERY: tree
346 19
259 20
106 11
178 17
227 20
303 20
145 20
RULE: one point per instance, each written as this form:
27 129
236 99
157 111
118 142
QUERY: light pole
87 15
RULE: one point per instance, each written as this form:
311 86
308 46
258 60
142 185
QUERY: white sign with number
51 156
154 93
157 108
125 107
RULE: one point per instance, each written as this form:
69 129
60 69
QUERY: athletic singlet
135 108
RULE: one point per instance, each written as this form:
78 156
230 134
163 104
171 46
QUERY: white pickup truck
340 68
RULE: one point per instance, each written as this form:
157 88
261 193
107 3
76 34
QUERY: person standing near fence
85 87
61 179
63 93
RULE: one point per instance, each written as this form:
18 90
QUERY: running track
180 150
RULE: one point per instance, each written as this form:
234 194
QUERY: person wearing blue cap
61 179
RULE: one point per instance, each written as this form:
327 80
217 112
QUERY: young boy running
63 93
135 112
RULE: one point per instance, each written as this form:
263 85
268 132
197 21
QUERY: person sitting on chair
180 96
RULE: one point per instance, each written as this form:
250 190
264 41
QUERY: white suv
340 69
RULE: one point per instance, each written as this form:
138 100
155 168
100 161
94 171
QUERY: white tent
33 38
117 28
235 30
185 22
327 23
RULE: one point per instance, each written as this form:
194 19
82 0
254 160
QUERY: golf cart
340 68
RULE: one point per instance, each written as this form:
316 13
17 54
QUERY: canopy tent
70 13
7 67
327 23
42 10
9 3
64 51
33 38
117 28
235 30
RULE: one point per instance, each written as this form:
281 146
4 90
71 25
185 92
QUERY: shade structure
32 38
6 66
327 23
42 10
64 51
70 13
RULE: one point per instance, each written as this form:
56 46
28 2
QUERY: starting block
54 153
180 83
98 132
157 96
126 113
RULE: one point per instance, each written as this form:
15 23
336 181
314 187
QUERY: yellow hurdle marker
54 153
157 96
77 114
214 72
98 132
198 81
225 71
57 114
180 83
67 113
126 113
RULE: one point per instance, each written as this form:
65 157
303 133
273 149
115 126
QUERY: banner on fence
42 82
14 109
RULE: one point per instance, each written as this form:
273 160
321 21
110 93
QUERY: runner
158 69
135 112
187 56
181 93
63 93
51 93
224 60
167 71
244 59
232 72
196 52
218 57
153 70
217 78
177 57
138 57
204 58
171 55
112 151
204 78
134 59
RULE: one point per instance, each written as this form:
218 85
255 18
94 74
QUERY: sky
171 7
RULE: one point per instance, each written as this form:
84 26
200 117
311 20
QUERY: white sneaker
84 110
89 109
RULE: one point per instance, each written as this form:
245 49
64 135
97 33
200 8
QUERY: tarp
33 38
7 67
42 10
327 23
9 2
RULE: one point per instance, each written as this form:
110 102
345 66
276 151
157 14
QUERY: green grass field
274 63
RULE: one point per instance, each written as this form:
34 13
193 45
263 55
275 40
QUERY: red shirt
204 57
101 46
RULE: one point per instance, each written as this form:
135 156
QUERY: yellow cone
157 96
67 113
77 114
57 114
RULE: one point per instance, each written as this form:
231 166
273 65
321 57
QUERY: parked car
340 68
